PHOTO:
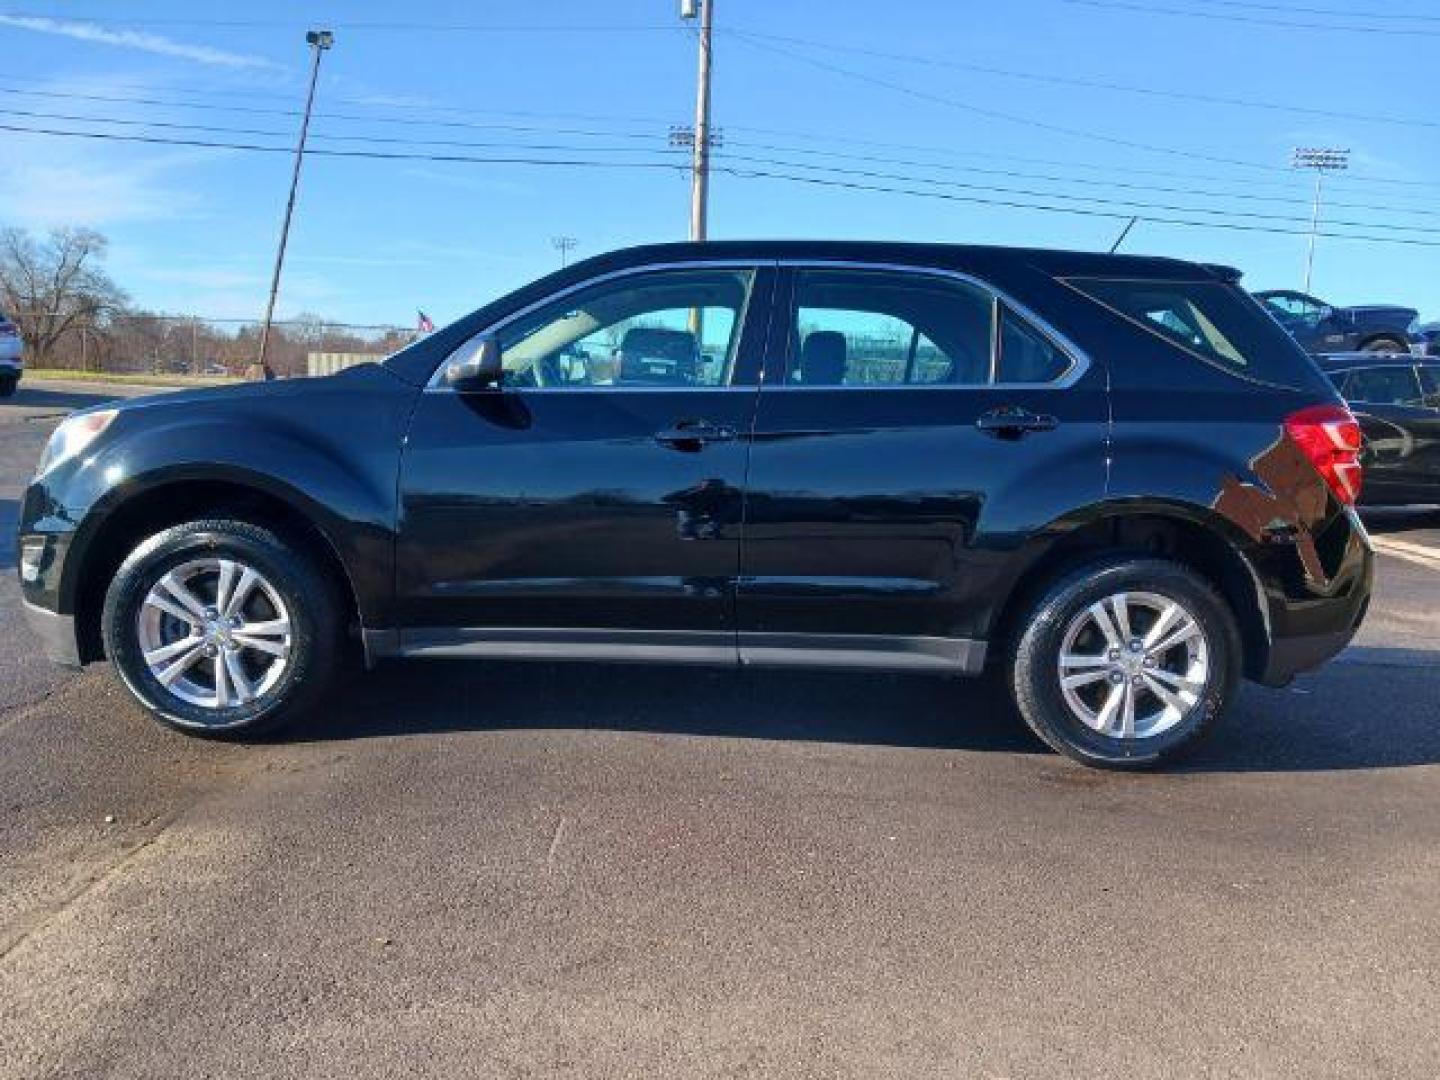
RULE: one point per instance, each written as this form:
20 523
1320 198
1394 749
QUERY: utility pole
1321 160
564 245
700 167
319 41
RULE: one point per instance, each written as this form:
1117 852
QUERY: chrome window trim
436 383
1080 360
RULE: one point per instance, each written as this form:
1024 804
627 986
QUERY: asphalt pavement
536 871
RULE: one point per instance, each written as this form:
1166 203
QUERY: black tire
1035 678
1385 345
8 383
310 596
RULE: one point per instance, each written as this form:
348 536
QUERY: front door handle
692 435
1009 422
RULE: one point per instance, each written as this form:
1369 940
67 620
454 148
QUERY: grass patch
125 378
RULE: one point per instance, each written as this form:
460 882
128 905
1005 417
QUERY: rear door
590 506
914 428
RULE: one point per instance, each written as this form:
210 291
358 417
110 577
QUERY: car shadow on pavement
59 400
1381 522
1371 708
891 710
1331 721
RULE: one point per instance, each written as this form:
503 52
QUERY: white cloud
134 39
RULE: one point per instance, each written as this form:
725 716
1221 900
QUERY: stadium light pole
564 245
700 160
1321 160
319 41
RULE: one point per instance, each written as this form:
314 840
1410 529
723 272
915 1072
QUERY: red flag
424 325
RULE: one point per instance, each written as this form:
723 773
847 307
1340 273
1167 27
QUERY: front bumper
56 633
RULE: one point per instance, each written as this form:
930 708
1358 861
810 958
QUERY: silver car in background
12 362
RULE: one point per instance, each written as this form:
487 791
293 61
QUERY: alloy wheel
1133 665
215 633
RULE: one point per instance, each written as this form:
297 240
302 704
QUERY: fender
346 494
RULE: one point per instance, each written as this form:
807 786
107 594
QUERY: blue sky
965 99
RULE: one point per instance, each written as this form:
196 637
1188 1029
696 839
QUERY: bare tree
53 288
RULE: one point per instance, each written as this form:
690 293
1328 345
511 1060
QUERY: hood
242 391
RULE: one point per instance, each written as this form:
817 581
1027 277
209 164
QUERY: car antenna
1123 233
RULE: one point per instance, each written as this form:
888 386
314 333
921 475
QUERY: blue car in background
1323 328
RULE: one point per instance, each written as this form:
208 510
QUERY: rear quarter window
1211 320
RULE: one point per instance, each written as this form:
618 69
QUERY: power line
1336 12
996 114
804 136
1254 20
1133 204
1091 84
387 27
375 139
1108 214
742 173
869 174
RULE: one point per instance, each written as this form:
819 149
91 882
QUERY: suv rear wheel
223 628
1126 663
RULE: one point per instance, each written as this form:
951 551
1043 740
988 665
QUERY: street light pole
319 41
700 168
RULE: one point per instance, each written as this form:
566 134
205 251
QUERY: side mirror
481 368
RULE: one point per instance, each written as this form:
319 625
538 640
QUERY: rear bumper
1291 656
56 633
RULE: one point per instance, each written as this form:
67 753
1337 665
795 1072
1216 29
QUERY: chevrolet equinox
1115 480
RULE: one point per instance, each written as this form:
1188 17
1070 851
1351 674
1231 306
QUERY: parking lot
527 870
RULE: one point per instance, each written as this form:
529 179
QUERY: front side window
1294 306
895 328
666 328
1383 386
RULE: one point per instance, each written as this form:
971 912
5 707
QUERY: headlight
73 436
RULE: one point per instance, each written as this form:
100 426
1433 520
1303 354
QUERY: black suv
1115 479
1397 401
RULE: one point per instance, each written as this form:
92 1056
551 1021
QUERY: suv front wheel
1126 663
223 628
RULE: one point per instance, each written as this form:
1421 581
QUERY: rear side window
883 328
1209 319
1383 386
880 327
1026 356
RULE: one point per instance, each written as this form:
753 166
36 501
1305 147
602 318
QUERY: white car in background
12 364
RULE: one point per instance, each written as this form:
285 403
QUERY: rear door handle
691 435
1012 423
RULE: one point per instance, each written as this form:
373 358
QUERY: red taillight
1330 437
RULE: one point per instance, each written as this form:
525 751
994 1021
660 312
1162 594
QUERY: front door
591 505
914 428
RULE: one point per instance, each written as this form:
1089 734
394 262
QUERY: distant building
328 363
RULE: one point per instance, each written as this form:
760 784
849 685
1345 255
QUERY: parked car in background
12 360
1112 478
1425 339
1397 401
1323 328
